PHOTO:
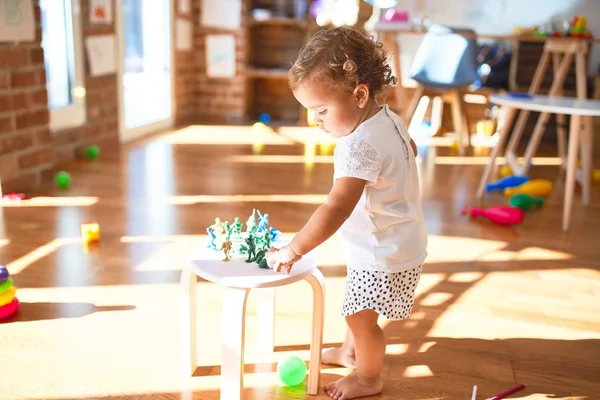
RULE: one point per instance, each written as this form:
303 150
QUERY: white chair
238 277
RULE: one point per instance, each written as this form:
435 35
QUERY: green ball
292 371
92 152
63 179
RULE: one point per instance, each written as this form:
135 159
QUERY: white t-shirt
386 230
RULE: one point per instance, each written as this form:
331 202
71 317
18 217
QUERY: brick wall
29 151
185 72
25 141
219 100
102 108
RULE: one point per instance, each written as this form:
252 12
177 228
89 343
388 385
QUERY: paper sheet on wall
185 6
101 12
183 34
16 21
101 52
220 56
225 14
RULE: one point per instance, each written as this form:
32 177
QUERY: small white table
581 112
238 277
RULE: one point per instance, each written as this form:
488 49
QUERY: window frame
73 115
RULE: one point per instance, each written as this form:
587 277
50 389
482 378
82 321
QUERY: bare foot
338 357
351 387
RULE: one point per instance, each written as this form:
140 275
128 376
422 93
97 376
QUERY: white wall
500 17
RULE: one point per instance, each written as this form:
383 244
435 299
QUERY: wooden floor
496 306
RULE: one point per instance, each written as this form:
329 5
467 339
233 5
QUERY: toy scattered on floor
90 232
9 303
92 152
525 202
534 187
63 180
13 197
292 370
265 118
507 182
502 215
508 392
259 128
252 243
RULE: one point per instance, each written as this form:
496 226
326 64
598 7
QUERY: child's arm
329 217
324 222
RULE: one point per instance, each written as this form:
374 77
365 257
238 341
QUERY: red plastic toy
503 215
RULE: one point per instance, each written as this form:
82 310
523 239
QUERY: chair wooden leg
265 313
571 167
410 112
586 158
188 321
317 282
457 119
437 109
233 337
464 119
417 120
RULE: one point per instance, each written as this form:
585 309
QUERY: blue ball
265 118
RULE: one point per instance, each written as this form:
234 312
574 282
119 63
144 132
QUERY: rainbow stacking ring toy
9 304
4 275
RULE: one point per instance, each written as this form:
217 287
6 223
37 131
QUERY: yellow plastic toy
505 171
90 232
534 187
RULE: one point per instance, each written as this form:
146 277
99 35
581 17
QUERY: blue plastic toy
509 181
265 118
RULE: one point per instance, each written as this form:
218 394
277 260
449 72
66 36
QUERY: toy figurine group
253 243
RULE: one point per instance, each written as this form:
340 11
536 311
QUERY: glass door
146 92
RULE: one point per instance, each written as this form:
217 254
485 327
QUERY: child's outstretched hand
281 259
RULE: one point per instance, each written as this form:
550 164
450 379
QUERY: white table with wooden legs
580 141
238 278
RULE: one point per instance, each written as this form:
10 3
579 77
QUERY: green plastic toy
525 201
63 179
291 371
92 152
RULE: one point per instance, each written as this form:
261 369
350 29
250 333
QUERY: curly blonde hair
343 57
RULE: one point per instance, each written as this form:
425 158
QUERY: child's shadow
45 311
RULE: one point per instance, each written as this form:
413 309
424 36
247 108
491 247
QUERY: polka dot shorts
391 294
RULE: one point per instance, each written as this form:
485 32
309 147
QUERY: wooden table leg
502 135
571 169
233 334
189 322
317 282
265 313
586 158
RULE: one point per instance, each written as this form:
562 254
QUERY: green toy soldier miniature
237 227
251 249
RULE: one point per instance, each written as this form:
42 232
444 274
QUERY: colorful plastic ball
92 152
259 128
292 371
63 179
265 118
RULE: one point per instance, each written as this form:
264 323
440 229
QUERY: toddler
374 202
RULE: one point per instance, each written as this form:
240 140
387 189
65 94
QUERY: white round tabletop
554 105
209 265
